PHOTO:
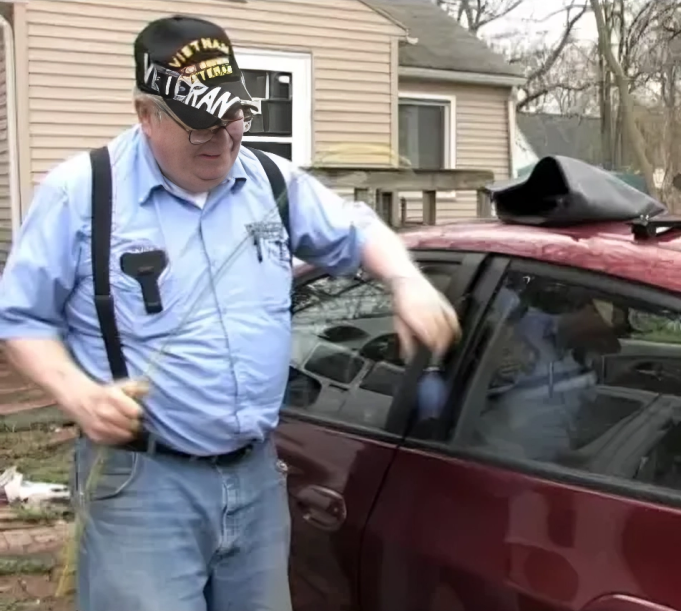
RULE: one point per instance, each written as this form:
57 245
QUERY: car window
345 359
572 376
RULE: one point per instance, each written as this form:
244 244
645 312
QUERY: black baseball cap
190 64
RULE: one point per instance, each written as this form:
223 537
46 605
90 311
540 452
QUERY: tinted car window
575 377
346 362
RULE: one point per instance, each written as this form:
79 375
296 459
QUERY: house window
427 131
281 84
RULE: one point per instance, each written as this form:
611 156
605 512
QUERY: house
543 134
349 82
456 100
554 134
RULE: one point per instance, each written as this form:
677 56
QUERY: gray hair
146 99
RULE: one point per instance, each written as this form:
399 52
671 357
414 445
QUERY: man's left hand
423 314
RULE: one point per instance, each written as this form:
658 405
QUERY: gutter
12 138
455 76
386 15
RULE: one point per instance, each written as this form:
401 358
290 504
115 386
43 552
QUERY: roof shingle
567 135
443 44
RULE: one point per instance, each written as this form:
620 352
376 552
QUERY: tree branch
493 17
547 90
559 48
479 13
625 97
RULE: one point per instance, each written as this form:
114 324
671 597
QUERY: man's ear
145 116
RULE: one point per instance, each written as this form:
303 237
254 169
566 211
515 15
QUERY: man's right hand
108 414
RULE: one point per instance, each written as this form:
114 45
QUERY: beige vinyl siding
5 194
482 140
80 69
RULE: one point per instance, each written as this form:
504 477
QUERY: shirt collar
237 173
150 177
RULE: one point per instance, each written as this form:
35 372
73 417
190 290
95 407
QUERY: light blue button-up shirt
225 325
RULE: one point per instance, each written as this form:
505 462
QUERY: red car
550 481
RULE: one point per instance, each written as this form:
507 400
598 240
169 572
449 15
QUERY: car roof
601 247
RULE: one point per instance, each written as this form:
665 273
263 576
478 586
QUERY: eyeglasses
201 136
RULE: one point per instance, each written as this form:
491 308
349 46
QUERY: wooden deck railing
381 187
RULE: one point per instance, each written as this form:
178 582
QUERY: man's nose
222 136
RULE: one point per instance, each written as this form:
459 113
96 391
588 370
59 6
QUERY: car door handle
321 507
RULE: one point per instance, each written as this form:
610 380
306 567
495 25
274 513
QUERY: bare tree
542 61
640 86
640 44
629 77
625 96
543 77
475 14
660 113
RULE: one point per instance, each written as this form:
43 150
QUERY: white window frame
300 66
449 102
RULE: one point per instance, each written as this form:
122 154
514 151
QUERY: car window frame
401 405
599 281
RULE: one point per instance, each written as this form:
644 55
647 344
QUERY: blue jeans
168 534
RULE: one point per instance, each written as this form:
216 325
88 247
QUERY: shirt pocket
132 319
275 274
131 311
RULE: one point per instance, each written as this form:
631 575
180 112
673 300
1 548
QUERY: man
189 512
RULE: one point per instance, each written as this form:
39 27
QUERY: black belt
144 445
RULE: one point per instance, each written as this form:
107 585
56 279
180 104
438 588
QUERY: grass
37 516
31 605
27 583
17 605
28 565
35 454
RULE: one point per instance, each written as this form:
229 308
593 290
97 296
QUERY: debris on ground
15 489
43 453
37 524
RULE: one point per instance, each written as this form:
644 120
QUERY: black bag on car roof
566 191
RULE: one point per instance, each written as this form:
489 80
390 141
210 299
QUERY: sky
541 17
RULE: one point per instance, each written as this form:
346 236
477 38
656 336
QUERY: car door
551 482
338 433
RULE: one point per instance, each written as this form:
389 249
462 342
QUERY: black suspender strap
102 210
278 185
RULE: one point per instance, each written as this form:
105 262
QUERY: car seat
532 416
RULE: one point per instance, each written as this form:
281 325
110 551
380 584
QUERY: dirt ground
28 583
31 593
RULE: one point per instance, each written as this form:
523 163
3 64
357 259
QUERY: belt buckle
211 460
235 455
217 459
